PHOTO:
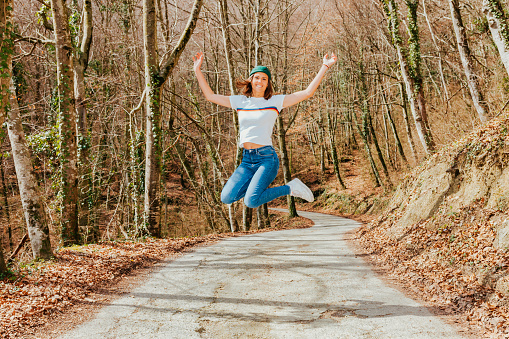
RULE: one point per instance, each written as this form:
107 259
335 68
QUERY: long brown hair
245 88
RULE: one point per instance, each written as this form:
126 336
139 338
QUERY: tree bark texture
66 124
466 59
29 191
156 74
499 28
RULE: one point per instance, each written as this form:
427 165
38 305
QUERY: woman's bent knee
251 202
226 198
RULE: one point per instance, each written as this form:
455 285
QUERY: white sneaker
300 190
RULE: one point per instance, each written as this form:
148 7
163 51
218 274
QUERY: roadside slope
446 230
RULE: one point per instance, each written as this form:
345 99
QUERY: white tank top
257 117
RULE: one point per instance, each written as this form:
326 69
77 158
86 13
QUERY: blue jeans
250 180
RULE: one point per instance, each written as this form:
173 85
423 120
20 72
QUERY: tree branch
168 63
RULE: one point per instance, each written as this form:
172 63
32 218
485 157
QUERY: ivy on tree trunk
67 141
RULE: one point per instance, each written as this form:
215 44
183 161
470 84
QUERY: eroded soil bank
445 232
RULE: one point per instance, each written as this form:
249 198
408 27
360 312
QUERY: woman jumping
258 109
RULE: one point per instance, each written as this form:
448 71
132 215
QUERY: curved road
302 283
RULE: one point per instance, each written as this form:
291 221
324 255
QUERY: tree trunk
321 141
376 175
247 218
281 131
5 16
333 148
80 66
440 58
156 74
388 114
393 128
29 192
67 124
285 164
377 146
3 267
225 27
408 127
365 129
266 215
466 59
4 194
414 61
414 91
497 20
257 49
153 116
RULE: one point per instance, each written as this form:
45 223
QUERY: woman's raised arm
218 99
297 97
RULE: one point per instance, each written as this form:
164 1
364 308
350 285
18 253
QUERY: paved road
302 283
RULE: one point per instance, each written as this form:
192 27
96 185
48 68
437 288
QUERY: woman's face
259 82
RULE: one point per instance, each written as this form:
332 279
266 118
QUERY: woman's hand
198 59
329 62
218 99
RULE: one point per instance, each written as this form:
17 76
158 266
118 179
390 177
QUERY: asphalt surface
302 283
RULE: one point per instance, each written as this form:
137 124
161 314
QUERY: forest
106 134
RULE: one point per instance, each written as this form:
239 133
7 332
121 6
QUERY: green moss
496 9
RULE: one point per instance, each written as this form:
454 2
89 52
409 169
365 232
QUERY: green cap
262 69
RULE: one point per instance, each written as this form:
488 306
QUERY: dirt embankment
445 232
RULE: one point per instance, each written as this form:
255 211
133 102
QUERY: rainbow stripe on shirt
259 109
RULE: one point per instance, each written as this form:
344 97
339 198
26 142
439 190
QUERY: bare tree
364 128
439 51
33 210
466 59
30 194
225 28
410 70
156 74
281 129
